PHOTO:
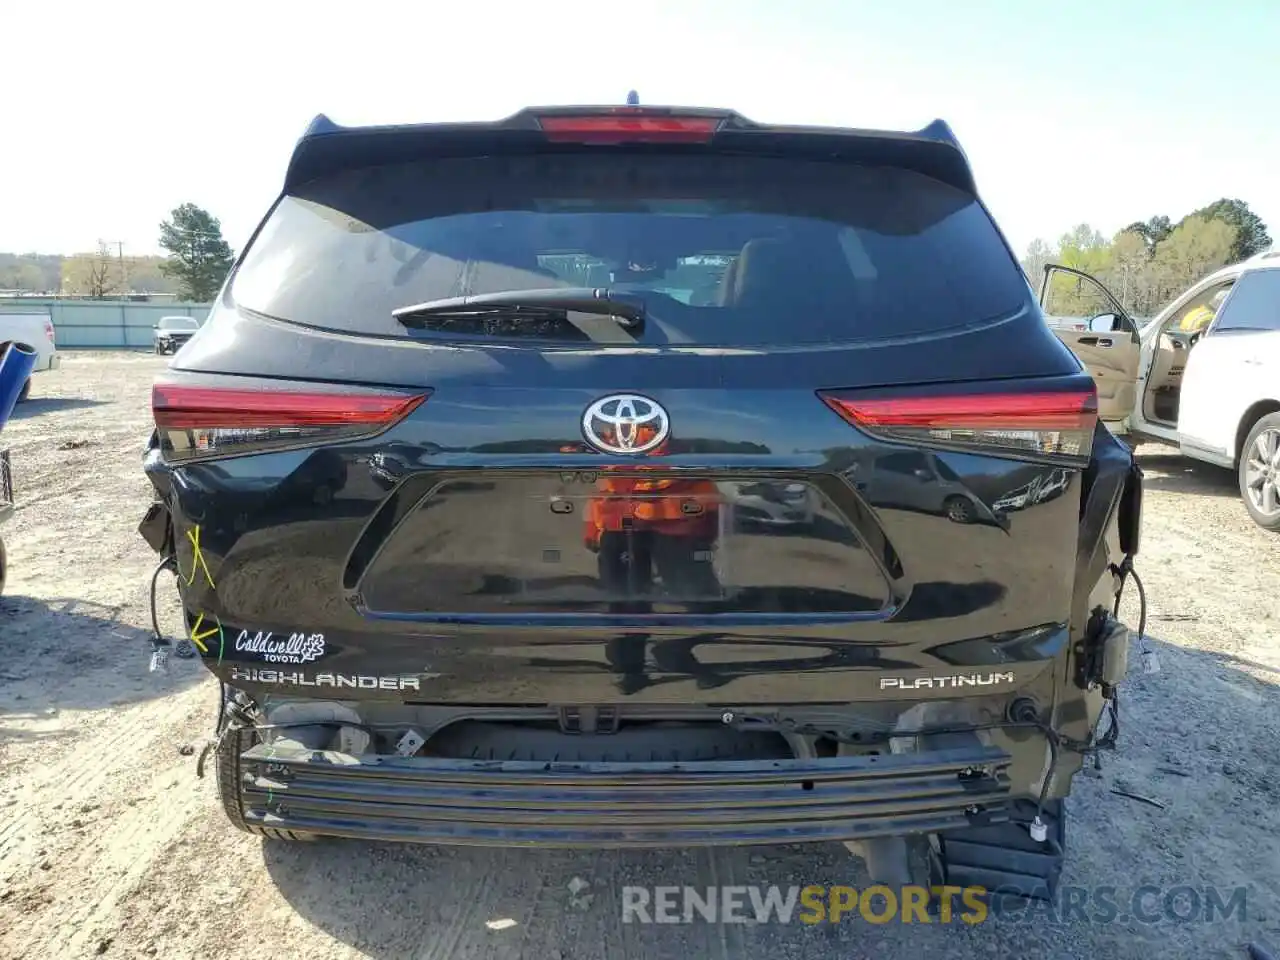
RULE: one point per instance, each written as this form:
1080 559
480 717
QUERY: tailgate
585 542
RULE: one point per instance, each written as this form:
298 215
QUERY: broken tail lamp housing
1053 426
203 422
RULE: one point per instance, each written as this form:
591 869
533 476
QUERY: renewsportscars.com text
816 904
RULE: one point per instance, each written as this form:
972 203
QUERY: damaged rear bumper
621 804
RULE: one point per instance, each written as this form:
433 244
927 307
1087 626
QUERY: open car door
1092 322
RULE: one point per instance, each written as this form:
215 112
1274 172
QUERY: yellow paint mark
197 559
195 637
198 638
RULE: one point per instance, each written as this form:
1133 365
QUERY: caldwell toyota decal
298 648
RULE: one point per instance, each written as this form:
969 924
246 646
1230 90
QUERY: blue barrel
16 364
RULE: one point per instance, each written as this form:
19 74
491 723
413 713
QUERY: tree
1196 247
1084 248
1129 259
199 259
92 274
1039 253
16 271
1251 232
1152 231
146 276
22 276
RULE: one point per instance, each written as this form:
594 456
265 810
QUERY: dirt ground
109 845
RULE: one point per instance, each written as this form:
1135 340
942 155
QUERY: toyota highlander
453 481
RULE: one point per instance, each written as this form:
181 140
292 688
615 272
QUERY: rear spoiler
327 148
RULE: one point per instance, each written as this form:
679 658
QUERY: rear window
1254 304
730 251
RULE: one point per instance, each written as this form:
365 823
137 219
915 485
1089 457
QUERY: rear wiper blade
539 304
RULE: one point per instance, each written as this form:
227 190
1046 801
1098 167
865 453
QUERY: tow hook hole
806 784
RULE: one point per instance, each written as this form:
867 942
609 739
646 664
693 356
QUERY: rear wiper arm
538 304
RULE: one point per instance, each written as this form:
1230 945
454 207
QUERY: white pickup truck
35 330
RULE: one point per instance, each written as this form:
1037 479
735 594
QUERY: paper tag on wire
410 743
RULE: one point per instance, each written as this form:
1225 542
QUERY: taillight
211 421
48 330
630 125
1054 425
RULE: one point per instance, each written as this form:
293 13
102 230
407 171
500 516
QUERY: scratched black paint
875 578
437 547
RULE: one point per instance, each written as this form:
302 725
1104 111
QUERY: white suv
1204 375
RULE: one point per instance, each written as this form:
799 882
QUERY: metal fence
127 324
103 324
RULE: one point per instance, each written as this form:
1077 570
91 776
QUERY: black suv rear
633 476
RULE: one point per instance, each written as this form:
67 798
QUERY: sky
1095 112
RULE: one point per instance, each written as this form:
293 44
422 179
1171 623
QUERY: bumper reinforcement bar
621 804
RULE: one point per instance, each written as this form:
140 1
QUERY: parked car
1041 488
35 331
921 480
448 659
171 333
771 504
1203 375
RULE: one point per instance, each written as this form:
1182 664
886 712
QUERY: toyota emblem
625 423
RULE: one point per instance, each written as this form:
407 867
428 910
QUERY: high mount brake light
1055 425
211 421
629 126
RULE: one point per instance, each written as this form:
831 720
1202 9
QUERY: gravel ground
109 845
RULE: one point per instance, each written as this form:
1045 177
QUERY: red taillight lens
631 127
1055 425
210 421
48 330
